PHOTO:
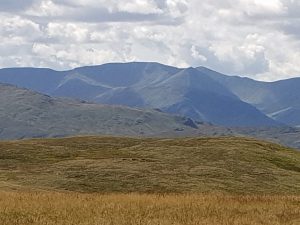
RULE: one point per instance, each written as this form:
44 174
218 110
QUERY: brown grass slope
124 165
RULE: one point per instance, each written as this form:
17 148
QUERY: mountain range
134 106
28 114
279 100
198 93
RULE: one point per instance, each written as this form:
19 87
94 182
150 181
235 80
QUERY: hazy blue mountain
27 114
189 92
38 79
279 100
127 74
196 95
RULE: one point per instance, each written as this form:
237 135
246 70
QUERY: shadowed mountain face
26 114
279 100
187 92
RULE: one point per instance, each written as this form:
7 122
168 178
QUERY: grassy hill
123 165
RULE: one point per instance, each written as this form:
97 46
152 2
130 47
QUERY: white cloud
138 6
255 38
258 7
67 32
15 26
197 55
177 7
45 8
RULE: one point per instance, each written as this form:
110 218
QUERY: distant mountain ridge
198 93
279 100
28 114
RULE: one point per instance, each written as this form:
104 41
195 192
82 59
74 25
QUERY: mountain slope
186 92
191 94
25 114
36 79
279 100
197 96
188 165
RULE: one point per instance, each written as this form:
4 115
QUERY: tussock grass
126 165
135 209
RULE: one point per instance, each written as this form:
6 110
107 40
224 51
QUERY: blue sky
254 38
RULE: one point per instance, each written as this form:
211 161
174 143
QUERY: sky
255 38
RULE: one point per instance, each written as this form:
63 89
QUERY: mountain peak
199 93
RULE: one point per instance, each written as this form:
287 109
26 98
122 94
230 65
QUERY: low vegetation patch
126 165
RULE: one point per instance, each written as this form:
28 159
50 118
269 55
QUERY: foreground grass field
187 181
133 209
126 165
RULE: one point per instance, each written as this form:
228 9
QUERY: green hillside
108 164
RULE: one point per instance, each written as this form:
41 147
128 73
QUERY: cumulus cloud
254 38
139 6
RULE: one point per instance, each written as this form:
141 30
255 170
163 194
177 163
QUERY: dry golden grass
134 209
